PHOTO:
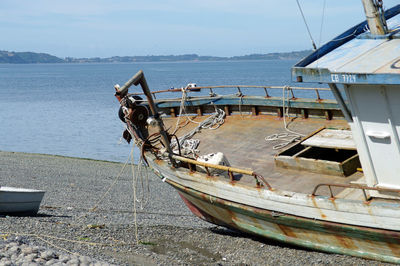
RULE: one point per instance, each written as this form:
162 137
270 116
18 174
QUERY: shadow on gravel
186 251
39 215
50 215
234 233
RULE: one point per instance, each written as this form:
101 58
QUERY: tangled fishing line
189 145
186 144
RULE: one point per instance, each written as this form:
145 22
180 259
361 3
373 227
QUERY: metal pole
375 18
140 79
341 102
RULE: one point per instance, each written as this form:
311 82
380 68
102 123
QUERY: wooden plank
242 139
254 110
199 111
227 110
333 139
304 113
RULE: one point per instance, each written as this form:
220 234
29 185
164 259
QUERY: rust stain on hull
200 213
346 242
323 216
359 241
394 247
193 208
287 231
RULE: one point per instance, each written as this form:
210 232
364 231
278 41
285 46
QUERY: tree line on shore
33 58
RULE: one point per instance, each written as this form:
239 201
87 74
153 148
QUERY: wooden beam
328 114
227 111
199 111
304 113
279 111
254 110
172 112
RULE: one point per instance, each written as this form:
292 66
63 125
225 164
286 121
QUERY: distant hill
146 58
274 56
190 57
31 58
28 58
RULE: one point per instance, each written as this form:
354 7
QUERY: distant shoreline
60 156
35 58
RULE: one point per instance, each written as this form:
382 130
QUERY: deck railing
239 91
260 180
353 186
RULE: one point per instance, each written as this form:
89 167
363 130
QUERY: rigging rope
240 104
182 110
305 22
189 145
134 198
144 182
107 191
322 24
320 31
286 112
135 176
289 137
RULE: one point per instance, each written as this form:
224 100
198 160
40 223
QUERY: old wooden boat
20 201
316 173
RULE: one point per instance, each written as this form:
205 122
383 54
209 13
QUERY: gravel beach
68 231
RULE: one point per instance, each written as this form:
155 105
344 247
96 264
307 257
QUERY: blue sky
103 28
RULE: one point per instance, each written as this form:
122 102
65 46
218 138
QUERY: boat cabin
362 68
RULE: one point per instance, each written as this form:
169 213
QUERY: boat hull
19 201
370 243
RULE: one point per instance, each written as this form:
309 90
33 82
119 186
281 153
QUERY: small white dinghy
16 201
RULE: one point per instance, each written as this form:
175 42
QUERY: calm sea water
70 110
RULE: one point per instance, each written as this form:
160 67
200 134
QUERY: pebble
47 255
17 253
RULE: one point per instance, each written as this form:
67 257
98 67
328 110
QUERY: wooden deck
242 139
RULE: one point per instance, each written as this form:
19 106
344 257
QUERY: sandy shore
167 233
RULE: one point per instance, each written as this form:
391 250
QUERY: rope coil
286 139
189 145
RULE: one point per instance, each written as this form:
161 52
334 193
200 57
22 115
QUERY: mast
375 18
